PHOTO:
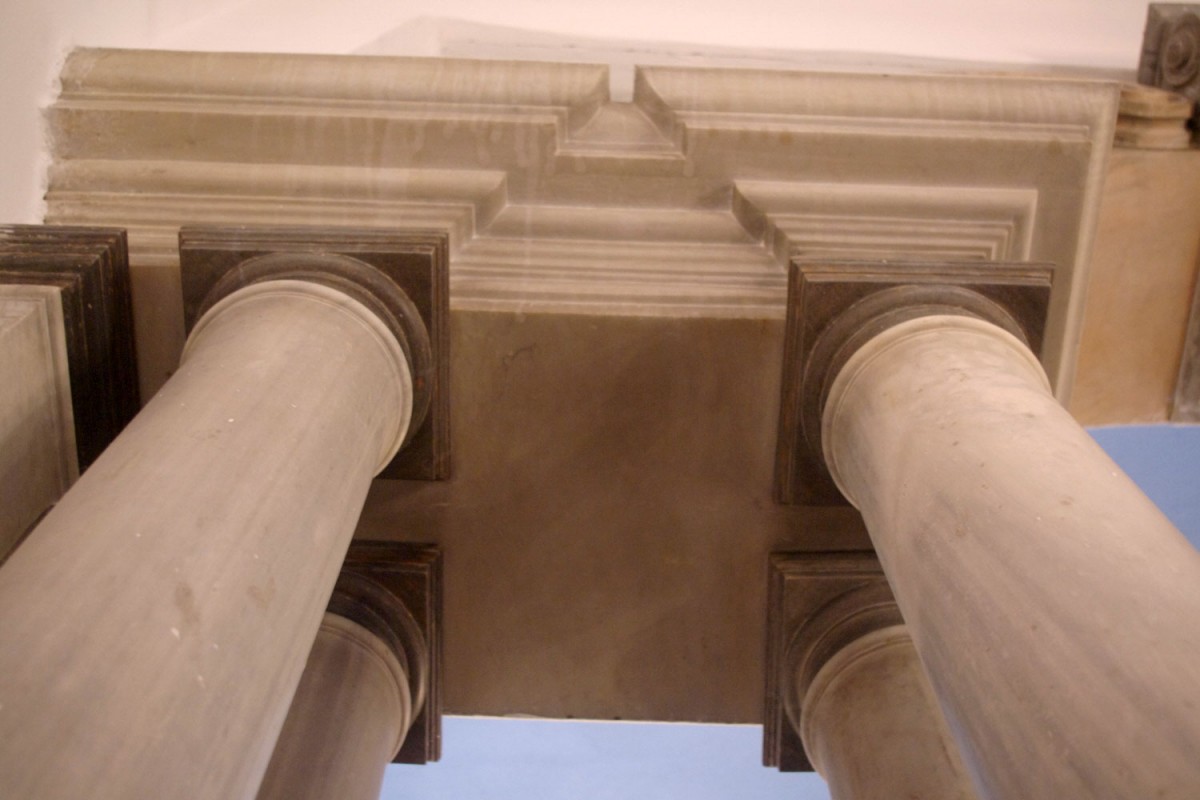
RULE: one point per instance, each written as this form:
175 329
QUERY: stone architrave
652 237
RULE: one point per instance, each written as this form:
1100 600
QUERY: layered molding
686 202
88 269
1153 119
815 221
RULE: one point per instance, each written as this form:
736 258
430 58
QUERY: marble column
864 709
1056 610
363 686
155 625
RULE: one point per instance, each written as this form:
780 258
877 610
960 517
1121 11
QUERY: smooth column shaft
154 627
873 729
1056 610
347 720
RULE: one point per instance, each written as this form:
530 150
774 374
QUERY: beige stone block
1144 269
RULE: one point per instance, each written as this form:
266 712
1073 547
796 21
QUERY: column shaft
1056 610
347 720
872 727
155 625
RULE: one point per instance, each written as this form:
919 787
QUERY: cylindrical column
348 719
1055 608
365 682
155 625
872 728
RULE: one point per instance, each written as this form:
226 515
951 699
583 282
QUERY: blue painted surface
514 759
1165 461
507 759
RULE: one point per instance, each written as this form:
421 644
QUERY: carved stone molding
1171 51
1171 48
816 603
833 308
685 202
413 262
89 268
389 587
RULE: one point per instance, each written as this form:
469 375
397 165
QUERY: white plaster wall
34 34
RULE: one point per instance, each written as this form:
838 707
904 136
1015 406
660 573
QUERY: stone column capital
382 297
401 277
251 298
836 308
857 613
374 608
987 338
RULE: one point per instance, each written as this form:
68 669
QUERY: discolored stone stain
262 595
185 601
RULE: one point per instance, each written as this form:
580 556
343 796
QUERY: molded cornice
689 201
